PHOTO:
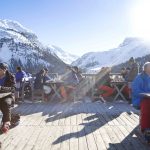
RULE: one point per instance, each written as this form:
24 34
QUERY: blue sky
77 26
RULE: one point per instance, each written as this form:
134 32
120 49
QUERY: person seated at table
46 76
127 89
20 75
7 85
103 89
70 82
47 89
141 84
133 69
39 79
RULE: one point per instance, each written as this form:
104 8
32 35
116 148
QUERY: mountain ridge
130 47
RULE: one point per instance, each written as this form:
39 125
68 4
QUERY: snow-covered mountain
131 47
63 55
20 46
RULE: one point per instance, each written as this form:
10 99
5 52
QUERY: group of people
138 83
9 82
70 79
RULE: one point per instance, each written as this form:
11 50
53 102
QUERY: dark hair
42 71
19 68
131 59
3 66
46 69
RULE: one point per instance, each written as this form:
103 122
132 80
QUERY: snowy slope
64 56
130 47
20 46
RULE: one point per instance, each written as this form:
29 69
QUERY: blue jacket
20 75
140 84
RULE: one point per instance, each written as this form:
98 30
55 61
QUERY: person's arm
12 87
24 74
137 86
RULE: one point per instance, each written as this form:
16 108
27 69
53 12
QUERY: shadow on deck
77 126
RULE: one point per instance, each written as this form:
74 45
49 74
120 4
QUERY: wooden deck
75 126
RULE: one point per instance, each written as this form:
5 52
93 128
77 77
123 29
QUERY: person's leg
63 93
6 109
145 114
108 91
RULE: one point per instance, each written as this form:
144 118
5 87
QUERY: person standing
20 75
133 70
7 85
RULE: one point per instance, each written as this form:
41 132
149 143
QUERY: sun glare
140 18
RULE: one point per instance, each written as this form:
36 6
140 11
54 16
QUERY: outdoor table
53 84
119 86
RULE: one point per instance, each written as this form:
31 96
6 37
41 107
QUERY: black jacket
39 80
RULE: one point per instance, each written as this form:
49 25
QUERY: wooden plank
90 138
129 139
121 137
74 138
49 138
25 138
114 138
82 138
65 144
12 140
31 143
74 126
99 140
106 139
57 135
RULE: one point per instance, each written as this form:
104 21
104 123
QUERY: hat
3 66
131 59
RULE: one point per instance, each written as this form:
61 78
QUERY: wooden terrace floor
75 126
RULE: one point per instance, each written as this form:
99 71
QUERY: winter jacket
141 84
20 75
